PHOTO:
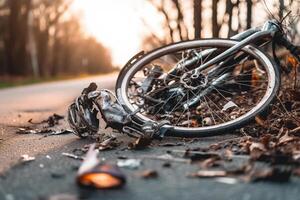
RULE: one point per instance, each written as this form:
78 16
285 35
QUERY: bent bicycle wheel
223 96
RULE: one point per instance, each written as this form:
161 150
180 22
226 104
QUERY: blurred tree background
41 38
221 18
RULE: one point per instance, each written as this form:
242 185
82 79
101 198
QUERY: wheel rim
271 81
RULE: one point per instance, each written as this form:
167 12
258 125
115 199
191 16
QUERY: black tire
198 132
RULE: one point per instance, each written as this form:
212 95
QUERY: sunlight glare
115 23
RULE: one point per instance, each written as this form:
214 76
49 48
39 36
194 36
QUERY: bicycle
194 88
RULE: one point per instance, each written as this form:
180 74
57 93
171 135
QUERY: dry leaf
260 121
256 150
140 143
27 158
285 139
149 174
270 174
109 143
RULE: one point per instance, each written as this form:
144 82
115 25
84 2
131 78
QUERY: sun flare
116 24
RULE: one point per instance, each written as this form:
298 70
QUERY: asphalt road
52 175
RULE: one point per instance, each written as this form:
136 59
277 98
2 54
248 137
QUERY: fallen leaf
140 143
27 158
109 143
274 174
296 172
147 174
210 162
198 155
229 105
286 138
51 121
260 121
256 150
295 131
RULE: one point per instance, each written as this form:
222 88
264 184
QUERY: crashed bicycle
189 89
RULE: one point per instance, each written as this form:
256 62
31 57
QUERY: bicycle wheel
224 96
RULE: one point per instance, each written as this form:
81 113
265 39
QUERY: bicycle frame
250 36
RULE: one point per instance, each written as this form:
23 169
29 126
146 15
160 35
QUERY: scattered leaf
51 121
260 121
274 174
140 143
147 174
109 143
256 150
296 171
27 158
198 155
229 105
285 139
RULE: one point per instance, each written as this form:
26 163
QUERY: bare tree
182 29
215 25
249 13
197 18
17 36
175 27
47 18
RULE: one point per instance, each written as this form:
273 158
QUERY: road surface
52 175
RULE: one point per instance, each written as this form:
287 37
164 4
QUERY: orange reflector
102 176
100 180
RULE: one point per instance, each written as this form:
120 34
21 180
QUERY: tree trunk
43 45
249 13
197 18
55 55
215 25
32 47
229 9
17 57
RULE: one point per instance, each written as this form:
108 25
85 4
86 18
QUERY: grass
18 82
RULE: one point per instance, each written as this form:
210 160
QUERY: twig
208 153
73 156
167 157
295 130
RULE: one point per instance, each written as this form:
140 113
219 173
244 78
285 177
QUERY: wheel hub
194 81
